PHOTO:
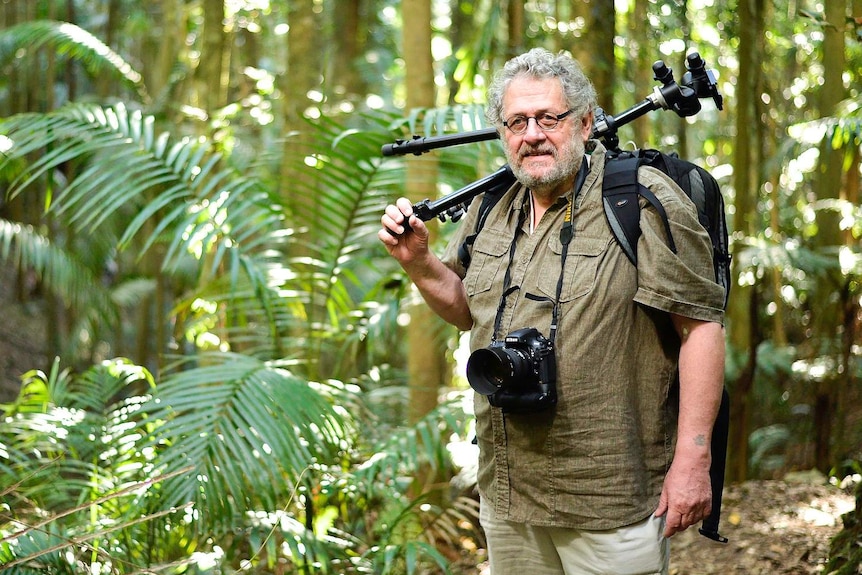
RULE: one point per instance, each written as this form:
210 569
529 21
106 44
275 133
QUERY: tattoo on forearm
700 440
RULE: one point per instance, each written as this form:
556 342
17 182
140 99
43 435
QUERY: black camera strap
507 279
567 233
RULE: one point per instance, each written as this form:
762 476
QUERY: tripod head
683 98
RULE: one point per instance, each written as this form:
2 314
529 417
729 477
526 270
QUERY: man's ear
587 126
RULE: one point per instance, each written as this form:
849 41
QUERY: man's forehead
528 92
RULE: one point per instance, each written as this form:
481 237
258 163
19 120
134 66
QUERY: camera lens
493 368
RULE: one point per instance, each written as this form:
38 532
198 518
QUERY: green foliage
25 248
107 469
235 457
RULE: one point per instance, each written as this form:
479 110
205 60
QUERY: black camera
518 374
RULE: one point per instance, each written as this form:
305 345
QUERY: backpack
620 191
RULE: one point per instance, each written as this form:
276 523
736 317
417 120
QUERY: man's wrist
693 449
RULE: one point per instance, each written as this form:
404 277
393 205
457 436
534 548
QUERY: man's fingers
396 217
677 522
405 206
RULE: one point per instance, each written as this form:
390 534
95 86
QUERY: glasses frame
546 115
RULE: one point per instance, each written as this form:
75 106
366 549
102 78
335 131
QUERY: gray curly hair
541 64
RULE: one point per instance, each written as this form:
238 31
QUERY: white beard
567 162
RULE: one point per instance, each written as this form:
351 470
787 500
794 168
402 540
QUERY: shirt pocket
582 264
489 260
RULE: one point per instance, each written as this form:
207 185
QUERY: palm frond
53 433
61 271
138 176
70 40
249 428
408 449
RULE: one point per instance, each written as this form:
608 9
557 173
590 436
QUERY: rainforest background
209 363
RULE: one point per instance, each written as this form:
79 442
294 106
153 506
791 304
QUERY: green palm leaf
134 177
249 428
61 271
76 43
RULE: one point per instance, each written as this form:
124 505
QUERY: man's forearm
440 286
442 290
686 494
701 377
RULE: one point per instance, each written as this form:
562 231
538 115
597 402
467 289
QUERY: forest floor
773 528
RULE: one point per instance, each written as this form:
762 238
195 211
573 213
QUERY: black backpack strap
620 191
620 199
654 201
720 433
489 200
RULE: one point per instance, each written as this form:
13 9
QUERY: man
600 481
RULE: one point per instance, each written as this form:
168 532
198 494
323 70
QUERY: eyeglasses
546 122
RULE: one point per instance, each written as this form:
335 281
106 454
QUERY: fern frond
62 272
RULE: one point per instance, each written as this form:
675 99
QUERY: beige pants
519 549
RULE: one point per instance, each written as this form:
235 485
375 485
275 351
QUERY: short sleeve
681 282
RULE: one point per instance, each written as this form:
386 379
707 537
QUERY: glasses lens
517 124
547 121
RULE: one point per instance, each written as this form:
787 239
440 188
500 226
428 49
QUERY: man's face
544 161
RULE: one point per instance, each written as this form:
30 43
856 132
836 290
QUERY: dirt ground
773 527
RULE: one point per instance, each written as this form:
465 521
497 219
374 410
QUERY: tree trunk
461 23
212 69
742 316
302 75
105 83
639 51
171 28
424 366
594 48
515 21
830 295
346 80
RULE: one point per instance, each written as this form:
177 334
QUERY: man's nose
533 131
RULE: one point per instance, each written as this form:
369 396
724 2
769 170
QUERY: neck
545 196
539 204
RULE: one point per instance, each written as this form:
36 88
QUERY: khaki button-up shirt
598 459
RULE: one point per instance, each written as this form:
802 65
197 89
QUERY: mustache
529 150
